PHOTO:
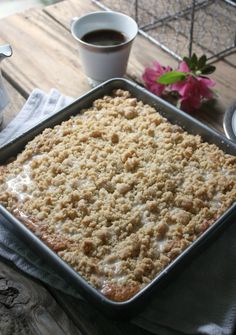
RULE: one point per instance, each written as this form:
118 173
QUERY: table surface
46 56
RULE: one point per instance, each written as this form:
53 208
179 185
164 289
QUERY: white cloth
200 300
38 106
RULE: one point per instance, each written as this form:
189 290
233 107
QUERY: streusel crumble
118 192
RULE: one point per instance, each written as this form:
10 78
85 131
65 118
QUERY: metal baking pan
174 115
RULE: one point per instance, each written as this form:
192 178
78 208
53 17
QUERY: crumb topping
118 192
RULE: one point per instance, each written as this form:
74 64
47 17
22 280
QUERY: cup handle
73 20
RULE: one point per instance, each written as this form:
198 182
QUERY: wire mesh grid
182 27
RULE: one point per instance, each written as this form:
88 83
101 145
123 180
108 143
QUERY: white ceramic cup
104 62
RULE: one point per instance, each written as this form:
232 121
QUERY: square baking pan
175 116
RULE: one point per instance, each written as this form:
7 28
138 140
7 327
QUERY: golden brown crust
56 243
120 292
118 192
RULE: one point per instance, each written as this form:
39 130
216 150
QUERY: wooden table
46 56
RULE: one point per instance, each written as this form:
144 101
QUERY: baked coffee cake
118 192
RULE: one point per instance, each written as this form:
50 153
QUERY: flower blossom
151 75
193 90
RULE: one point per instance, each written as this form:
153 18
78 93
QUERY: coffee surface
104 37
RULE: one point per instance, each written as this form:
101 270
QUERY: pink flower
180 86
183 67
192 90
151 75
205 85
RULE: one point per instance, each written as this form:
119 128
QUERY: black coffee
104 37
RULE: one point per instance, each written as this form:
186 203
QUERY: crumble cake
118 192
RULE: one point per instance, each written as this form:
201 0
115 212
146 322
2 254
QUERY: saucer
230 122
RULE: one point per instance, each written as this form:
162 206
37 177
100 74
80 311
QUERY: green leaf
194 58
208 69
172 77
193 62
202 62
187 61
